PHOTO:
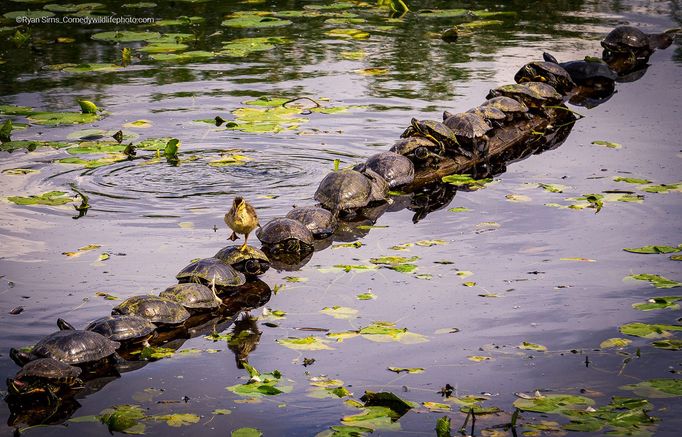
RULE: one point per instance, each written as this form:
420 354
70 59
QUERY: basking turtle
343 190
250 261
319 221
157 310
590 72
74 347
395 168
493 115
511 107
286 235
44 376
126 329
534 94
379 185
438 133
213 273
193 296
550 73
418 150
630 40
471 131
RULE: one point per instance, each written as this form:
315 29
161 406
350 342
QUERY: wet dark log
508 137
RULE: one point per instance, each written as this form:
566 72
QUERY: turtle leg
243 246
233 236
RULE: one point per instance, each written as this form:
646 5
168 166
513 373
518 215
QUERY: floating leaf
517 198
182 57
631 180
374 418
532 346
393 260
339 312
51 198
309 343
349 267
653 249
230 160
123 418
366 296
353 245
469 284
459 209
464 273
139 124
676 257
465 180
386 331
350 34
655 280
657 388
246 432
608 144
657 303
156 353
19 171
646 330
406 369
371 71
245 46
429 243
436 407
553 403
125 36
221 412
663 188
295 279
553 188
255 21
58 118
478 358
178 419
577 258
615 342
671 344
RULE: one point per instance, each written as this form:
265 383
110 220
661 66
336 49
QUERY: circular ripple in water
161 189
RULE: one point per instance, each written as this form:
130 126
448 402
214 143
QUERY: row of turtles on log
58 359
205 288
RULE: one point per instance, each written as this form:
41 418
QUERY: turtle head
31 386
63 325
252 267
19 357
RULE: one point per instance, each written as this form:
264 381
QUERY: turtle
343 190
250 261
628 39
395 168
547 72
75 347
534 94
193 296
44 376
438 133
160 311
379 185
213 273
511 107
493 115
319 221
418 150
126 329
471 130
286 235
590 72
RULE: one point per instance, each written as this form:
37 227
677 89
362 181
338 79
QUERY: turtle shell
396 169
533 94
122 327
321 222
379 185
488 112
193 296
285 234
250 261
153 308
589 72
626 38
467 125
211 271
546 72
506 105
341 190
75 347
49 368
40 375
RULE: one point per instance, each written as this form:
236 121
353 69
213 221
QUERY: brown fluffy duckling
242 219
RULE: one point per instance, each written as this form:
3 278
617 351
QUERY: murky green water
544 275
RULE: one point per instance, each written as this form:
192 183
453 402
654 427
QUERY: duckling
242 219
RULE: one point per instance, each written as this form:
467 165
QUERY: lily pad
90 67
383 332
262 384
608 144
309 343
659 302
647 330
123 418
246 432
245 46
255 22
125 36
181 57
670 344
339 312
553 403
167 47
16 110
655 280
615 342
406 369
59 118
366 296
631 180
657 388
459 209
532 346
178 419
51 198
663 188
460 180
653 249
30 145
